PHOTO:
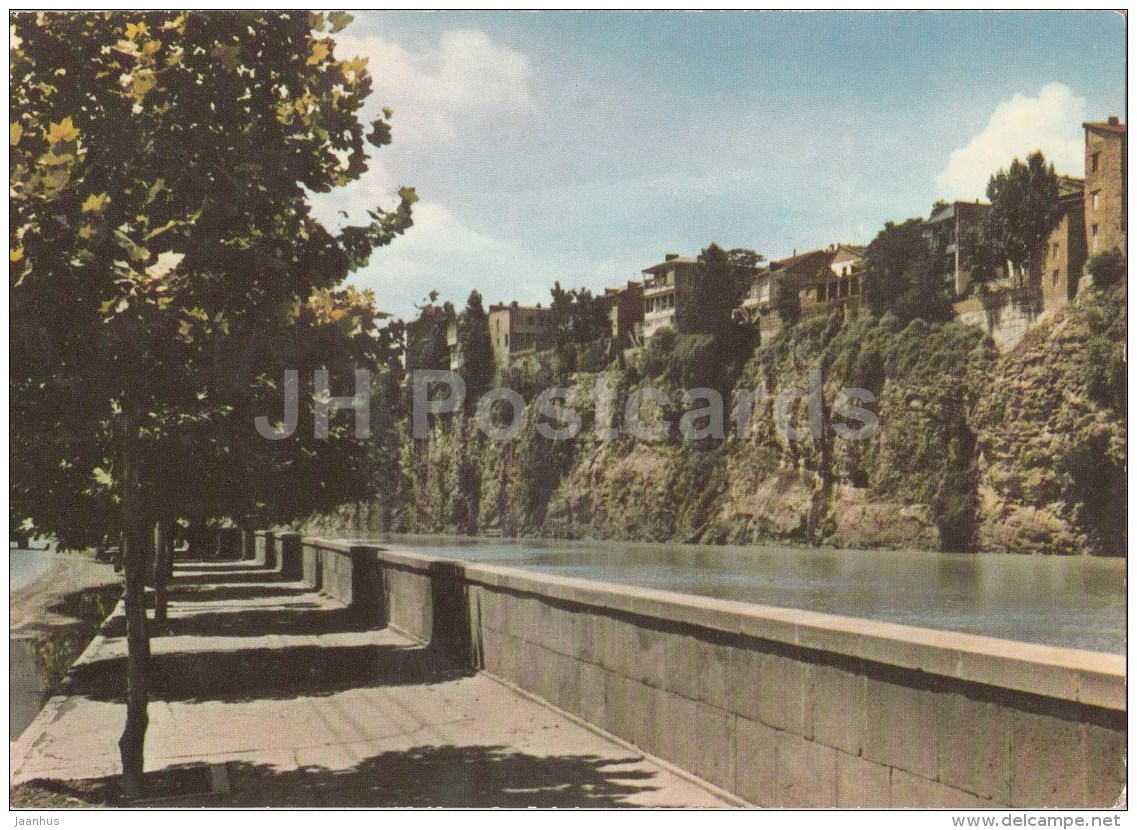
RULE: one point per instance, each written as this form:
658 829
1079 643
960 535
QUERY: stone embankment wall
782 707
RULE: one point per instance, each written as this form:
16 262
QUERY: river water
1074 602
25 566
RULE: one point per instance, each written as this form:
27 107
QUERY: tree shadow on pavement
212 592
268 673
244 577
258 622
447 776
422 776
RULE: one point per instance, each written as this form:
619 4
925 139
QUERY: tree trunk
132 743
163 560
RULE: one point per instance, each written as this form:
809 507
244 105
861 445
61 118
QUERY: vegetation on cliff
1020 452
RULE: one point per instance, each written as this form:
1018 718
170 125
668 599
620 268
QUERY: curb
19 749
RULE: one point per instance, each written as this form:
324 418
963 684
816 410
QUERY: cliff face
1021 452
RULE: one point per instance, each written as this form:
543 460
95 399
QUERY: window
1094 199
1094 238
1094 161
1055 276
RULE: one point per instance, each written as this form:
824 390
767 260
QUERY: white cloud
442 253
464 77
1050 122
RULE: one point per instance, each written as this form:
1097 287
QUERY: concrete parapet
266 549
782 707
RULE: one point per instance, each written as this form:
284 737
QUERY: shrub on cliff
1108 268
656 355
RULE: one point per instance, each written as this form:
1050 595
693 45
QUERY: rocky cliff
975 450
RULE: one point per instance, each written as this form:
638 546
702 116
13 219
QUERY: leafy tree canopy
1024 209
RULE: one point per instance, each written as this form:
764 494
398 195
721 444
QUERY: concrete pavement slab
305 707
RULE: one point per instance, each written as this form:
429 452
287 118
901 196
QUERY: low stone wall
266 550
782 707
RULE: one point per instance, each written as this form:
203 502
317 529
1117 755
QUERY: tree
1108 268
159 170
577 316
475 348
785 296
427 346
900 275
979 257
1024 210
721 280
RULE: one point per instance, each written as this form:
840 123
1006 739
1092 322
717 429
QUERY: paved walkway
304 708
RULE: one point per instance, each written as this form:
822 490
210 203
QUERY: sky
581 147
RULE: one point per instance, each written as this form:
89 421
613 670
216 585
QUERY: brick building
626 312
517 330
1064 255
1105 188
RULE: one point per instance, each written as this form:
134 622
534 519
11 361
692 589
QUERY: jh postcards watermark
500 413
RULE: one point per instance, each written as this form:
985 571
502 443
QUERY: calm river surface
25 566
1076 602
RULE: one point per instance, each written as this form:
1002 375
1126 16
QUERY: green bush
1108 268
656 354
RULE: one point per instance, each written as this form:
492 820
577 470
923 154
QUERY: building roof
948 211
801 259
1111 126
515 307
667 263
855 250
1071 186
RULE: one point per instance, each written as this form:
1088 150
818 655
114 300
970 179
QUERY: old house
759 304
953 233
1105 188
1064 254
626 312
813 274
667 292
517 330
841 286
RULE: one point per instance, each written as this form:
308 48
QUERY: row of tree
166 271
903 267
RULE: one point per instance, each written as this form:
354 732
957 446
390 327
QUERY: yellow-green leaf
320 51
63 131
133 30
93 203
51 159
16 254
339 20
15 133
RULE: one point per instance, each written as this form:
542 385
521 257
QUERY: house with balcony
953 233
839 286
667 292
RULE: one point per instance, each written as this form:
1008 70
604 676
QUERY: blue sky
581 147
